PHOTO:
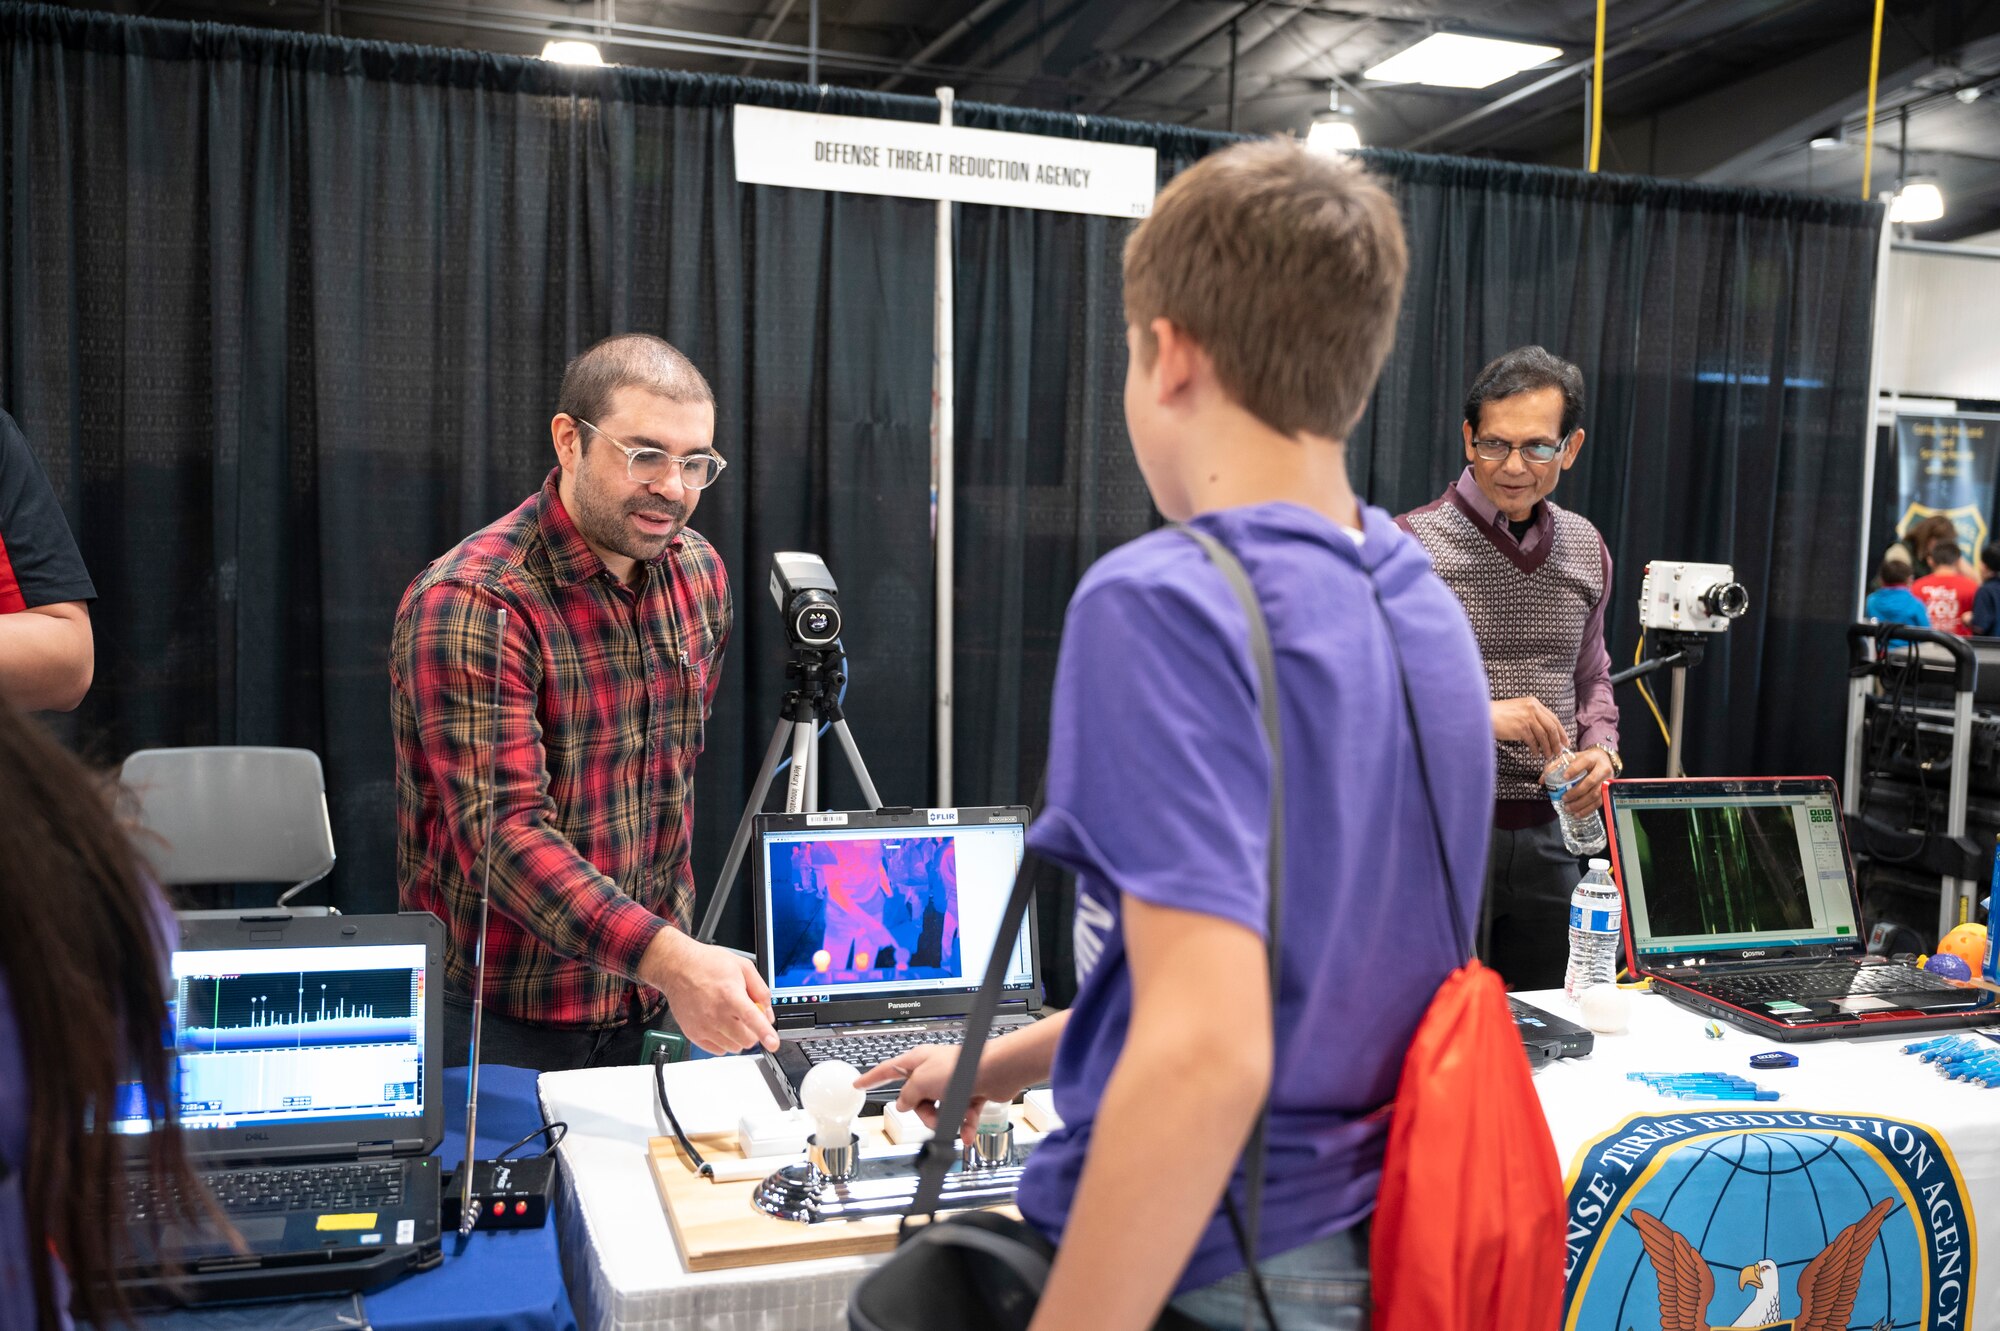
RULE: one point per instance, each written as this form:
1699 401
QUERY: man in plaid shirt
617 616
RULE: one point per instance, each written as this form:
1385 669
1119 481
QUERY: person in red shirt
1946 592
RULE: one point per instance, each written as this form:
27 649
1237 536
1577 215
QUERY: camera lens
815 619
1725 599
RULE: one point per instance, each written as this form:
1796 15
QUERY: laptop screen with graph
296 1036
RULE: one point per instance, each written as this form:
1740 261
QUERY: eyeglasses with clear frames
1497 450
648 466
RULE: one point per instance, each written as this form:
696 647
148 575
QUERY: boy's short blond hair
1287 267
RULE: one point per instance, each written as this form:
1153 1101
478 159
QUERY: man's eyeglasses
650 466
1541 450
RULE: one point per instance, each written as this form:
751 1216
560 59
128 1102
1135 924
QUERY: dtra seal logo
1786 1221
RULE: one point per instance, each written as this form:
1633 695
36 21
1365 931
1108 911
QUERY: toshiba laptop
307 1075
874 931
1740 903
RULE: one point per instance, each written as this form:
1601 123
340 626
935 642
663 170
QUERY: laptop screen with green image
1745 868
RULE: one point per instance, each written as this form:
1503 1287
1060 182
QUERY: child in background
1986 602
1946 592
1894 603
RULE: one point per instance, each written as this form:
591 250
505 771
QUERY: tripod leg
795 784
853 751
740 844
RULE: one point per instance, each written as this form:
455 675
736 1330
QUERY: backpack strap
1245 1227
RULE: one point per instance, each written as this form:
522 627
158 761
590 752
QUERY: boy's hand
926 1074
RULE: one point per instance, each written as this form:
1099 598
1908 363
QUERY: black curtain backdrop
284 317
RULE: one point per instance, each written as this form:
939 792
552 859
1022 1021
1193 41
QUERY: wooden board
718 1227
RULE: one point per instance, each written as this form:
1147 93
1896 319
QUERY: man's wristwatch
1611 752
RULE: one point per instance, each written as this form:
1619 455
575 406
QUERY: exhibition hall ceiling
1730 91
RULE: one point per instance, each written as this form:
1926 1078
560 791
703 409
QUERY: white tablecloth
624 1271
1842 1086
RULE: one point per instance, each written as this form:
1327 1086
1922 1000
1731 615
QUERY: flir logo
943 817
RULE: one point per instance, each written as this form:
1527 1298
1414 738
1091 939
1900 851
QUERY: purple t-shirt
1159 784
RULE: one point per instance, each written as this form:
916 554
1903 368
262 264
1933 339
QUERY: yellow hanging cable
1868 137
1597 91
1647 693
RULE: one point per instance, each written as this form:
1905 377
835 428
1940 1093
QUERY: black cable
701 1166
555 1132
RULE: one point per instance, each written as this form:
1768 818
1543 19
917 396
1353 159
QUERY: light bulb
831 1100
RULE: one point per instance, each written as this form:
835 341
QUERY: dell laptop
874 931
307 1057
1740 903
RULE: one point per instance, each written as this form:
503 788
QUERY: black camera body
808 601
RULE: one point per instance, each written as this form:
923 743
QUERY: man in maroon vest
1533 579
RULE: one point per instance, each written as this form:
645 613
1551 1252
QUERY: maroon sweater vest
1528 611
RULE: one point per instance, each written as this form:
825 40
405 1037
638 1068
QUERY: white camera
1690 598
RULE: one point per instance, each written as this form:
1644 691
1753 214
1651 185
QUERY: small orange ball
1968 943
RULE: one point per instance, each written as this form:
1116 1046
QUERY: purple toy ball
1947 967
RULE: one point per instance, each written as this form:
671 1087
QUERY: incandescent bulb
831 1100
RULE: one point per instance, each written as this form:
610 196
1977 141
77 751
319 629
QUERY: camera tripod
813 701
1680 650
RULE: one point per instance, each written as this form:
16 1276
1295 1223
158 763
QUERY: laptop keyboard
865 1051
1830 981
294 1188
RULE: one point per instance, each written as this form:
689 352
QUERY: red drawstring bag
1468 1232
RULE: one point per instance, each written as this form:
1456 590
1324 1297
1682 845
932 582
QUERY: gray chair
228 814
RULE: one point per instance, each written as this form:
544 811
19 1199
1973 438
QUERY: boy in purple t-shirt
1261 298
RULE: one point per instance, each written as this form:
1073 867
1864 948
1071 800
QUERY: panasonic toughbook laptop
1740 903
874 930
307 1072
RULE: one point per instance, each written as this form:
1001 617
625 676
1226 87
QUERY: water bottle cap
1603 866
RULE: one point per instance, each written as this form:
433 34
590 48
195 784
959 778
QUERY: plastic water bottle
1594 917
1581 835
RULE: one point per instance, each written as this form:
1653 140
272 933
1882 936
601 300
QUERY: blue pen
1723 1093
1939 1043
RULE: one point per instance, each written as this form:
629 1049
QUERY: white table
624 1271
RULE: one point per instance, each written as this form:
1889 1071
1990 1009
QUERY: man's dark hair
628 360
1944 554
1894 573
1989 555
1527 370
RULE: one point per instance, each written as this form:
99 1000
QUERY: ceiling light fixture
571 52
1330 134
1827 143
1453 60
1918 201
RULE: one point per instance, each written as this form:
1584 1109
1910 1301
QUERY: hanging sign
912 160
1945 467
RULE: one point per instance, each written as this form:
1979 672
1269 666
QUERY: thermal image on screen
844 911
1736 870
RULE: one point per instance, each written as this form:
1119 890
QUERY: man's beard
605 523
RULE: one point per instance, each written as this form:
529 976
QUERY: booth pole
943 483
1878 349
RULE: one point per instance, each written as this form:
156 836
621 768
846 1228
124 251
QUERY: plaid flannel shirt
604 693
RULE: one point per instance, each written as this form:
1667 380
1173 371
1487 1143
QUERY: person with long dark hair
83 1003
